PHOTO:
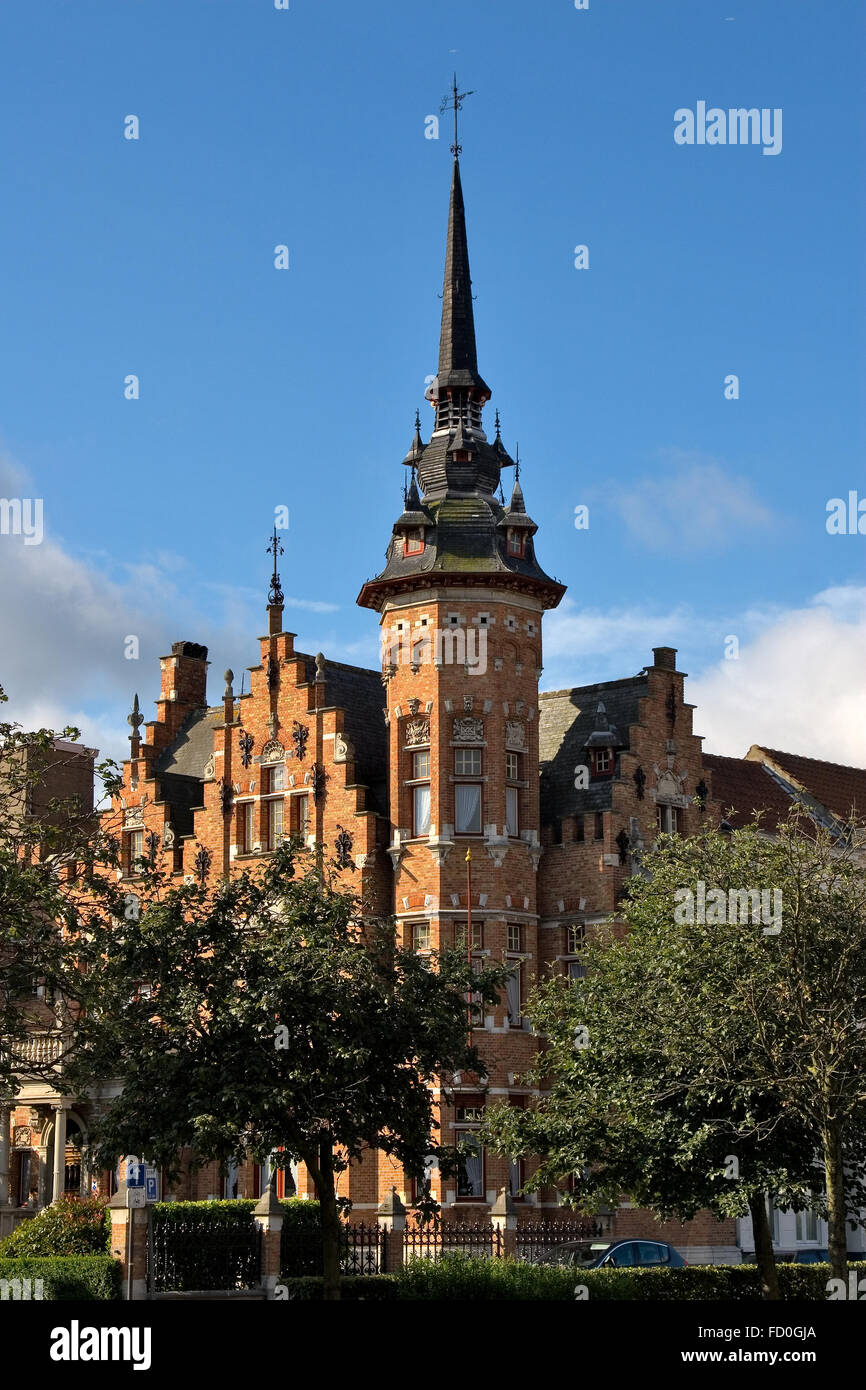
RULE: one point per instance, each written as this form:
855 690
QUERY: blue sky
260 387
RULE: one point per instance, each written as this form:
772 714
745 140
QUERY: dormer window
603 758
515 542
413 542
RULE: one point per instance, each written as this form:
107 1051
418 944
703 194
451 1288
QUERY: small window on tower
515 542
413 542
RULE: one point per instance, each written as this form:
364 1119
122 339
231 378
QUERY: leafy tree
709 1062
43 844
274 1017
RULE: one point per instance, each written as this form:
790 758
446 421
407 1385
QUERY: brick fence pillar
504 1219
392 1221
129 1244
268 1216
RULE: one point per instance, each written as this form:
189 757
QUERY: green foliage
71 1226
298 1215
68 1278
466 1278
703 1041
368 1288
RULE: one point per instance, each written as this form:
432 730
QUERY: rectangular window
470 1177
467 809
576 970
467 762
512 767
134 851
515 543
414 543
599 825
512 802
299 810
420 936
275 823
247 812
515 1179
603 760
421 809
807 1225
421 764
515 936
668 819
513 998
575 937
277 778
578 829
477 936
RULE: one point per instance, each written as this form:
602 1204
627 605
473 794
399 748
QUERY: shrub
467 1278
370 1288
67 1278
70 1226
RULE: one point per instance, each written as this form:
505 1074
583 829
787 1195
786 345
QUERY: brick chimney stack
184 689
665 658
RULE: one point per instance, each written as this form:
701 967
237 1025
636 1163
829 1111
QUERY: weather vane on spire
455 99
275 592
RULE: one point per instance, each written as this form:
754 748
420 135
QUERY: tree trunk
764 1256
330 1219
837 1234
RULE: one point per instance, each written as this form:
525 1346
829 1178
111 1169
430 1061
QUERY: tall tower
461 600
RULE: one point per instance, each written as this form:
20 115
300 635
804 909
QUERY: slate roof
566 721
458 361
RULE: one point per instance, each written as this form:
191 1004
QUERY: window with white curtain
512 822
807 1225
512 997
421 809
470 1179
467 811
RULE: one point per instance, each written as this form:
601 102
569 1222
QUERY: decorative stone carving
414 705
467 704
468 730
209 769
168 835
22 1137
133 818
273 752
418 731
515 733
344 751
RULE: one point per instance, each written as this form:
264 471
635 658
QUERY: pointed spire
136 718
458 358
417 447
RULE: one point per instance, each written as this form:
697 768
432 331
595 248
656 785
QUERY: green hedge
71 1226
370 1288
67 1278
467 1278
297 1214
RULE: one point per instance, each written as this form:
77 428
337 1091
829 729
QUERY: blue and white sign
150 1184
135 1175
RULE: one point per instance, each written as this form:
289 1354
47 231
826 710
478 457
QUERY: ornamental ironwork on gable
300 735
246 743
201 863
343 848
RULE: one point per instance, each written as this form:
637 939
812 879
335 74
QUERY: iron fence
196 1254
537 1241
362 1250
432 1239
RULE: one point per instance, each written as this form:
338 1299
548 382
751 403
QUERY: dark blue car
620 1254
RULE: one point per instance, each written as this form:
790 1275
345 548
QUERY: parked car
620 1254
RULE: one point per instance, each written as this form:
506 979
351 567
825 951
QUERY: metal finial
517 462
497 424
455 100
136 719
275 592
417 422
405 491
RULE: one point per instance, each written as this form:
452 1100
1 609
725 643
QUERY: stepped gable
567 721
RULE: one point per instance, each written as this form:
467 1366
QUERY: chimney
184 689
665 658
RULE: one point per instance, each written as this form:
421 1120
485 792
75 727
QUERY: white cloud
798 685
696 502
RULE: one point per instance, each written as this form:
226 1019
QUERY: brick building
450 747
